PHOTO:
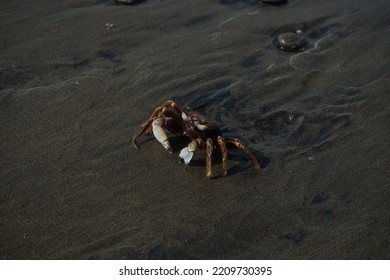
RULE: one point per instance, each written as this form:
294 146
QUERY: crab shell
195 126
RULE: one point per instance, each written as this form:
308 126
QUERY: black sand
77 78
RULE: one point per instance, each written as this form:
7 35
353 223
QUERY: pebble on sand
289 41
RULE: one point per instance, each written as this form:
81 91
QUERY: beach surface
78 78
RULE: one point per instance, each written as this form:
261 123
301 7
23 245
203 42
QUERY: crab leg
144 127
170 103
209 151
222 145
237 142
187 153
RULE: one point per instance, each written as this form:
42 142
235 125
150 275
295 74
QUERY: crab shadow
238 161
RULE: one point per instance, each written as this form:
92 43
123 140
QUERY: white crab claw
187 152
186 155
160 134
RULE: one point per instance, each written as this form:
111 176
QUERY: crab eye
200 126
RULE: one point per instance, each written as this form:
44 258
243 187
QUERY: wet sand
77 78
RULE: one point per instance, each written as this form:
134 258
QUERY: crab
203 133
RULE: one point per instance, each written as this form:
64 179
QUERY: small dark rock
289 41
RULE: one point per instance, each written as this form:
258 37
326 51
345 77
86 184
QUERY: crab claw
187 153
160 134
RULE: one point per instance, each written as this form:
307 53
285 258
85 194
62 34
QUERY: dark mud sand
77 78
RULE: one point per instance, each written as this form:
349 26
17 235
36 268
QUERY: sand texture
77 79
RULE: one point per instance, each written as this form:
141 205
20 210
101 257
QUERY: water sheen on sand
77 78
